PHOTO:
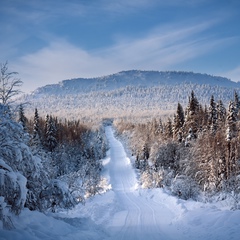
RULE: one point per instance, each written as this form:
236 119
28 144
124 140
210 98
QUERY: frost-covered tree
178 123
56 194
9 84
51 132
221 113
36 141
17 158
236 101
191 115
166 156
231 122
212 115
13 189
231 137
184 187
22 118
210 162
169 128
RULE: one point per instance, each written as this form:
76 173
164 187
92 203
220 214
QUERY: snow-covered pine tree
145 153
231 121
205 116
36 143
160 129
231 134
17 158
153 128
212 115
191 116
51 141
221 113
169 128
45 130
22 118
178 123
236 101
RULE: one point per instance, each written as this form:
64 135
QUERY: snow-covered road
139 217
154 214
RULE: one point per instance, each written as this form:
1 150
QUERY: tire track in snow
140 221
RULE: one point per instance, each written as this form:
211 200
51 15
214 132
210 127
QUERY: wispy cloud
39 11
233 74
161 49
60 60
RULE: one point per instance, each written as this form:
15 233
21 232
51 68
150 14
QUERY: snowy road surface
128 212
153 214
139 218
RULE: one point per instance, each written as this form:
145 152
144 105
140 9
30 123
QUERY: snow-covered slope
133 78
128 212
128 93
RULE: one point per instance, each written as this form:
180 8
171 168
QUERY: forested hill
128 93
133 78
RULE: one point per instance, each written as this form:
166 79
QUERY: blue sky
47 40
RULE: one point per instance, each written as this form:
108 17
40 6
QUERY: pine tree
178 123
193 104
231 122
22 119
51 132
17 161
36 128
145 155
169 128
36 138
46 129
221 112
154 128
146 152
160 127
212 115
236 101
231 132
192 111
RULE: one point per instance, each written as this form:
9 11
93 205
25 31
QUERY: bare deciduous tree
8 84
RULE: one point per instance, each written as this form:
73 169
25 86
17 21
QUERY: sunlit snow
129 212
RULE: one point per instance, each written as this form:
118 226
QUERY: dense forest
194 153
47 163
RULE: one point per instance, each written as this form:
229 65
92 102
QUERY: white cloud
60 60
234 74
159 50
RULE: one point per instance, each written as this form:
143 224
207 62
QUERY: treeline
128 101
47 163
197 150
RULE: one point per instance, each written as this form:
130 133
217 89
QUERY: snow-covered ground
129 212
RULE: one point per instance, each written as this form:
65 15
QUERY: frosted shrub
166 156
12 188
146 179
56 194
13 193
152 179
232 189
184 187
5 220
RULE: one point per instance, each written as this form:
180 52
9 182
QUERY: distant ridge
132 93
135 78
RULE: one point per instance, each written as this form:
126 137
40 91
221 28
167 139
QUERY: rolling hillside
127 94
